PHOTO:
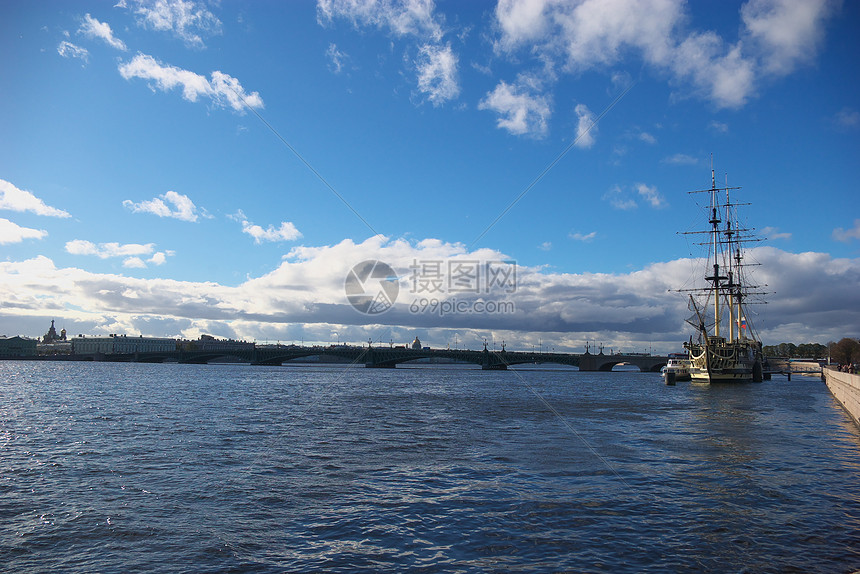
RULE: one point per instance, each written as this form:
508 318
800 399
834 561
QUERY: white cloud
717 71
305 294
847 235
586 126
11 232
336 58
416 22
774 233
15 199
285 232
650 194
106 250
786 32
626 198
680 159
647 138
619 199
848 118
160 257
582 35
68 50
437 73
134 263
222 89
92 28
133 253
186 19
545 246
402 17
519 112
585 237
183 208
521 22
719 127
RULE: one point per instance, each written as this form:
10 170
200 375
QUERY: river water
233 468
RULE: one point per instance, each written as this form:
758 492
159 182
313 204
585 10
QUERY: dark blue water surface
233 468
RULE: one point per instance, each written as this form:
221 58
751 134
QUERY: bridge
390 357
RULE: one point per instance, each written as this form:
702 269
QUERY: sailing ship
726 348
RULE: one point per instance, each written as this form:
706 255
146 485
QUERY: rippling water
232 468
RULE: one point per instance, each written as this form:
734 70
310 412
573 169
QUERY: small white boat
677 368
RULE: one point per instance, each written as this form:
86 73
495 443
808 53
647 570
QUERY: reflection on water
195 468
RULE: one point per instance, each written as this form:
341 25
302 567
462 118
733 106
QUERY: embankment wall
846 388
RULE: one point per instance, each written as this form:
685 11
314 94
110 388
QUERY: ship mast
715 233
726 282
731 285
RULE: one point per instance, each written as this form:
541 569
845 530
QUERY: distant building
121 344
416 344
52 337
210 343
53 344
11 347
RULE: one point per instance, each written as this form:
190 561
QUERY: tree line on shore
846 351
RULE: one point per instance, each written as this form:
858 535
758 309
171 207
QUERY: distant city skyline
179 168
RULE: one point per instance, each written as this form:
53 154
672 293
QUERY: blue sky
174 168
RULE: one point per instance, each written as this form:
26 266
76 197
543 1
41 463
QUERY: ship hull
725 362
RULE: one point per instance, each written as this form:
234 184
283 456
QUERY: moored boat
677 368
725 348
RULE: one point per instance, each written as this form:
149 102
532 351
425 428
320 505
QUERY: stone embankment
846 388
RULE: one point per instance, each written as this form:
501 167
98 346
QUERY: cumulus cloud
774 233
680 159
183 208
106 250
15 199
11 232
285 232
776 37
68 50
437 73
401 17
92 28
134 263
223 89
787 33
187 20
336 58
628 197
715 70
586 126
846 235
133 253
520 112
650 194
305 294
847 118
585 237
415 21
718 127
619 198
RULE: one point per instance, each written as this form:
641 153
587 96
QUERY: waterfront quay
845 387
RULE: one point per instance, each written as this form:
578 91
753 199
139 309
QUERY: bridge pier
493 361
495 367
